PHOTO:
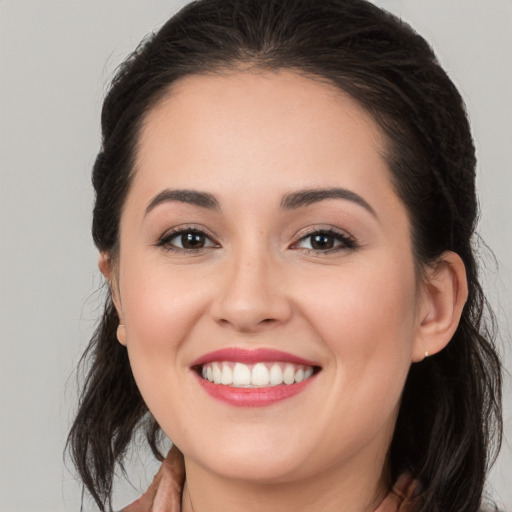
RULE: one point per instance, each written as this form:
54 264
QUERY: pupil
192 240
322 242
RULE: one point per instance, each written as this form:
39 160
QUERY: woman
285 205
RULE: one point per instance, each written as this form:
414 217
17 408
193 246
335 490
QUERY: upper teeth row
257 375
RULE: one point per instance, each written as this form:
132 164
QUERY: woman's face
262 223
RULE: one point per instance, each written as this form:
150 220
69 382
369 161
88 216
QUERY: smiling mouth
257 375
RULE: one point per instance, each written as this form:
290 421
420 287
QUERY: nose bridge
251 297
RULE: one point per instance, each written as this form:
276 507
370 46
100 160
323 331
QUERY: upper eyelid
171 233
187 228
348 241
299 236
311 230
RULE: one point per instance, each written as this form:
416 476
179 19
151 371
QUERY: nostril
242 325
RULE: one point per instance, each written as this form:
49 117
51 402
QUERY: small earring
426 353
121 334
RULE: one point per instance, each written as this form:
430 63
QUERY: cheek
159 304
367 318
160 308
367 321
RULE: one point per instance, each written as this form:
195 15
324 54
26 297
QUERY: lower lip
253 397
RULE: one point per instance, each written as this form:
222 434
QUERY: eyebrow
202 199
290 201
307 197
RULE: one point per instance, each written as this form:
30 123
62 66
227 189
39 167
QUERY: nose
252 295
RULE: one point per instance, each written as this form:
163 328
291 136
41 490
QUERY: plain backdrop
56 59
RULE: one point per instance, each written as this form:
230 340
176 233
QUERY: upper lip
251 356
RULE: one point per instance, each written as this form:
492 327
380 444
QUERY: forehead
256 115
283 91
249 132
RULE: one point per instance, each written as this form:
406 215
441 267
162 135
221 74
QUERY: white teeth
241 375
227 375
260 376
276 375
257 375
289 374
217 374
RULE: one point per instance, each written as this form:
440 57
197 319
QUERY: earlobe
445 292
108 271
121 334
105 266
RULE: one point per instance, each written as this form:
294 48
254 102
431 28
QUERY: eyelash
166 240
345 242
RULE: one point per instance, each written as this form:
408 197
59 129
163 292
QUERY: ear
107 269
445 291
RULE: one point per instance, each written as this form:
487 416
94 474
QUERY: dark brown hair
451 407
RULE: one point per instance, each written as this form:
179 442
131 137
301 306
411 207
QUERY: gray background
56 58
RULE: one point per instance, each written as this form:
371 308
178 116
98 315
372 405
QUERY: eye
326 241
186 239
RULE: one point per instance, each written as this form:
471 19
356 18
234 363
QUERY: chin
256 459
257 468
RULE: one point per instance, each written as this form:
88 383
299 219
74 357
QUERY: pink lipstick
246 356
253 378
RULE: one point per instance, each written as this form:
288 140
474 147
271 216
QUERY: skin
360 311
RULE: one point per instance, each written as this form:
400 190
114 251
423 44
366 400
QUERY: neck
338 489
